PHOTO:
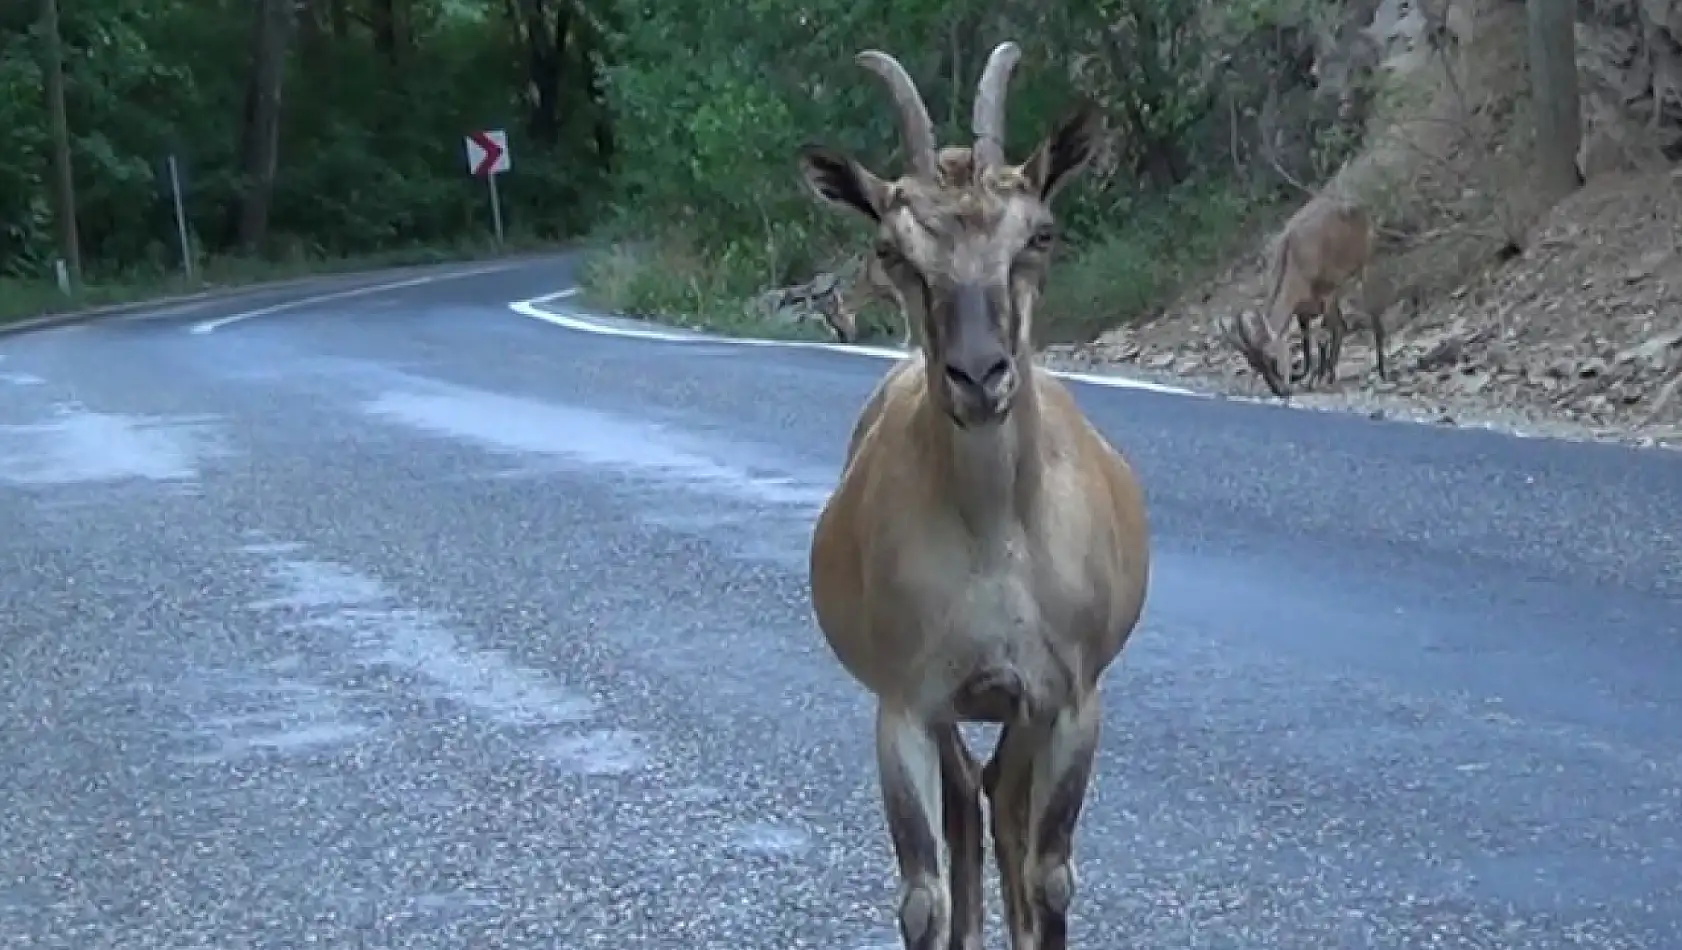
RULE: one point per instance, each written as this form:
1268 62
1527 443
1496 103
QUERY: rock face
1629 52
1630 56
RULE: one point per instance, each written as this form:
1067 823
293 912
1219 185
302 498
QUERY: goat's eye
888 253
1043 237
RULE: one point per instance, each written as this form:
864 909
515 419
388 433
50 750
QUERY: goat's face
839 317
967 245
1264 351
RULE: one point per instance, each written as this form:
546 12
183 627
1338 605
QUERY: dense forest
322 130
316 129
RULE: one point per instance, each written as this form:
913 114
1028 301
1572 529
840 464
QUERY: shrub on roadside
674 282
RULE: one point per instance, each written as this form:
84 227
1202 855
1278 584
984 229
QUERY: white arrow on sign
487 153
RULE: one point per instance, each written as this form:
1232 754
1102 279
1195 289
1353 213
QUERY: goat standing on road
984 555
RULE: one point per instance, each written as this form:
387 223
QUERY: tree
64 179
260 128
1553 84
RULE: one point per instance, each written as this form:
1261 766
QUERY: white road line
210 326
533 308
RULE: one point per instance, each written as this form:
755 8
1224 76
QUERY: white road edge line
210 326
533 308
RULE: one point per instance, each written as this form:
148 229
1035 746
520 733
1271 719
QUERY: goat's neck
992 473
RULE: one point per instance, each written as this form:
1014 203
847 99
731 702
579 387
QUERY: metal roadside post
180 216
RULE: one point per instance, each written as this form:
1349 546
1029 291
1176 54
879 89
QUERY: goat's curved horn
1241 334
915 127
987 120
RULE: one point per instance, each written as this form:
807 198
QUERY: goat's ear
836 179
1065 152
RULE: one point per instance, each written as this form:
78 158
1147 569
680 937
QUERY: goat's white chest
988 600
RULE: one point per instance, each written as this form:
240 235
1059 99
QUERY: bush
671 281
1129 274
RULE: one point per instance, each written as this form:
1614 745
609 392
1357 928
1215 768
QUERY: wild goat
1325 245
984 556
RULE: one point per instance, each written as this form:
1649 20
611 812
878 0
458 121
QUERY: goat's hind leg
908 757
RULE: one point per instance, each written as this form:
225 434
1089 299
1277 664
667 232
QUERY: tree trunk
312 35
338 18
260 132
387 25
1554 95
546 50
64 181
602 124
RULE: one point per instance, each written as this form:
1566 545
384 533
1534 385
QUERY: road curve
397 618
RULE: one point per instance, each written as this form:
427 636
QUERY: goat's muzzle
976 358
1239 333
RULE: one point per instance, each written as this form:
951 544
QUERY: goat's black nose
963 372
976 358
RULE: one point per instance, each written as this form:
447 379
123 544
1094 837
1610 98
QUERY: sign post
487 157
180 217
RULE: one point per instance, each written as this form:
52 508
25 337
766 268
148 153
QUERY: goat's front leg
1332 349
1006 780
961 794
908 757
1305 326
1062 772
1329 343
1322 358
1046 770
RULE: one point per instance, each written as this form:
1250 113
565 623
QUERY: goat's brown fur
984 556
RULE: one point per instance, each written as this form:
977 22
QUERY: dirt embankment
1578 333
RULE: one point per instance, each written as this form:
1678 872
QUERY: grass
1127 275
23 299
670 282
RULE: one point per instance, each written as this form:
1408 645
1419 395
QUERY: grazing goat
1324 246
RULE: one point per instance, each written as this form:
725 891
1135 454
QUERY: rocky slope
1577 334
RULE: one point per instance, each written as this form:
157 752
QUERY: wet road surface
398 619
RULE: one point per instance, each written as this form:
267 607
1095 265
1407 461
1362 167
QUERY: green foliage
370 157
710 103
676 124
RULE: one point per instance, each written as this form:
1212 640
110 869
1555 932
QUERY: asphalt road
399 619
